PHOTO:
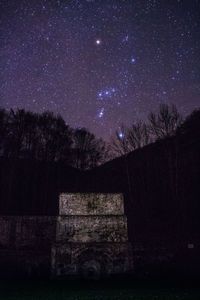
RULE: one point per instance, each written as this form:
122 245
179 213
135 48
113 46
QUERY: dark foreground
50 290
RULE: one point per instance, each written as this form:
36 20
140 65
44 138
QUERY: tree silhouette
190 128
128 139
3 129
15 139
47 137
165 122
119 143
30 135
138 135
55 138
88 151
160 125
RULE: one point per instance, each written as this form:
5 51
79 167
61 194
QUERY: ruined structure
91 236
87 239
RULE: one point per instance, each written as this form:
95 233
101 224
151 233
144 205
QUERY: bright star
132 59
106 93
125 39
98 42
101 113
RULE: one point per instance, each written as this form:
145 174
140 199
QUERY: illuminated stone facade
91 237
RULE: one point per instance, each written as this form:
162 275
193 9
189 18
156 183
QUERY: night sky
100 63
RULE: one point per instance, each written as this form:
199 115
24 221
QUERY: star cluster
100 63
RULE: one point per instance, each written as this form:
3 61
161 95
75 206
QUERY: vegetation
88 151
160 125
47 137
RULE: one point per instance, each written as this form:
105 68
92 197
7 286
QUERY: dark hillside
161 187
29 187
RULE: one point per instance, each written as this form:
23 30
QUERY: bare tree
35 136
88 151
16 127
128 139
47 137
138 135
55 138
3 129
165 122
119 143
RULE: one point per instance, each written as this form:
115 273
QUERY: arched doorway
94 264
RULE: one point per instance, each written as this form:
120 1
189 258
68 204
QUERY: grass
51 290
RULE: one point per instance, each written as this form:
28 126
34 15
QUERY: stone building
91 236
87 239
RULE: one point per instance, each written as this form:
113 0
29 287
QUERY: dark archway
93 264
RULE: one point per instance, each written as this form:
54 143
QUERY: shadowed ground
43 290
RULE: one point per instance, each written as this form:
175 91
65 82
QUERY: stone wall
88 229
19 232
91 261
91 237
91 204
27 248
25 245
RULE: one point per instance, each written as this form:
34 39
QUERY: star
98 42
107 93
101 113
121 135
125 39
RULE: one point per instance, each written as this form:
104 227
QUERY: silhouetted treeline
159 125
46 137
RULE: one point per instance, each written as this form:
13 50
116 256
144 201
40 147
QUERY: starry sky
100 63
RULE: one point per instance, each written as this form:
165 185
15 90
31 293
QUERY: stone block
91 237
89 229
91 204
91 261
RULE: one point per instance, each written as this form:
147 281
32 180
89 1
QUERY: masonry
87 239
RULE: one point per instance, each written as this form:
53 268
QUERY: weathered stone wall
91 236
25 245
91 204
19 232
103 259
88 229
